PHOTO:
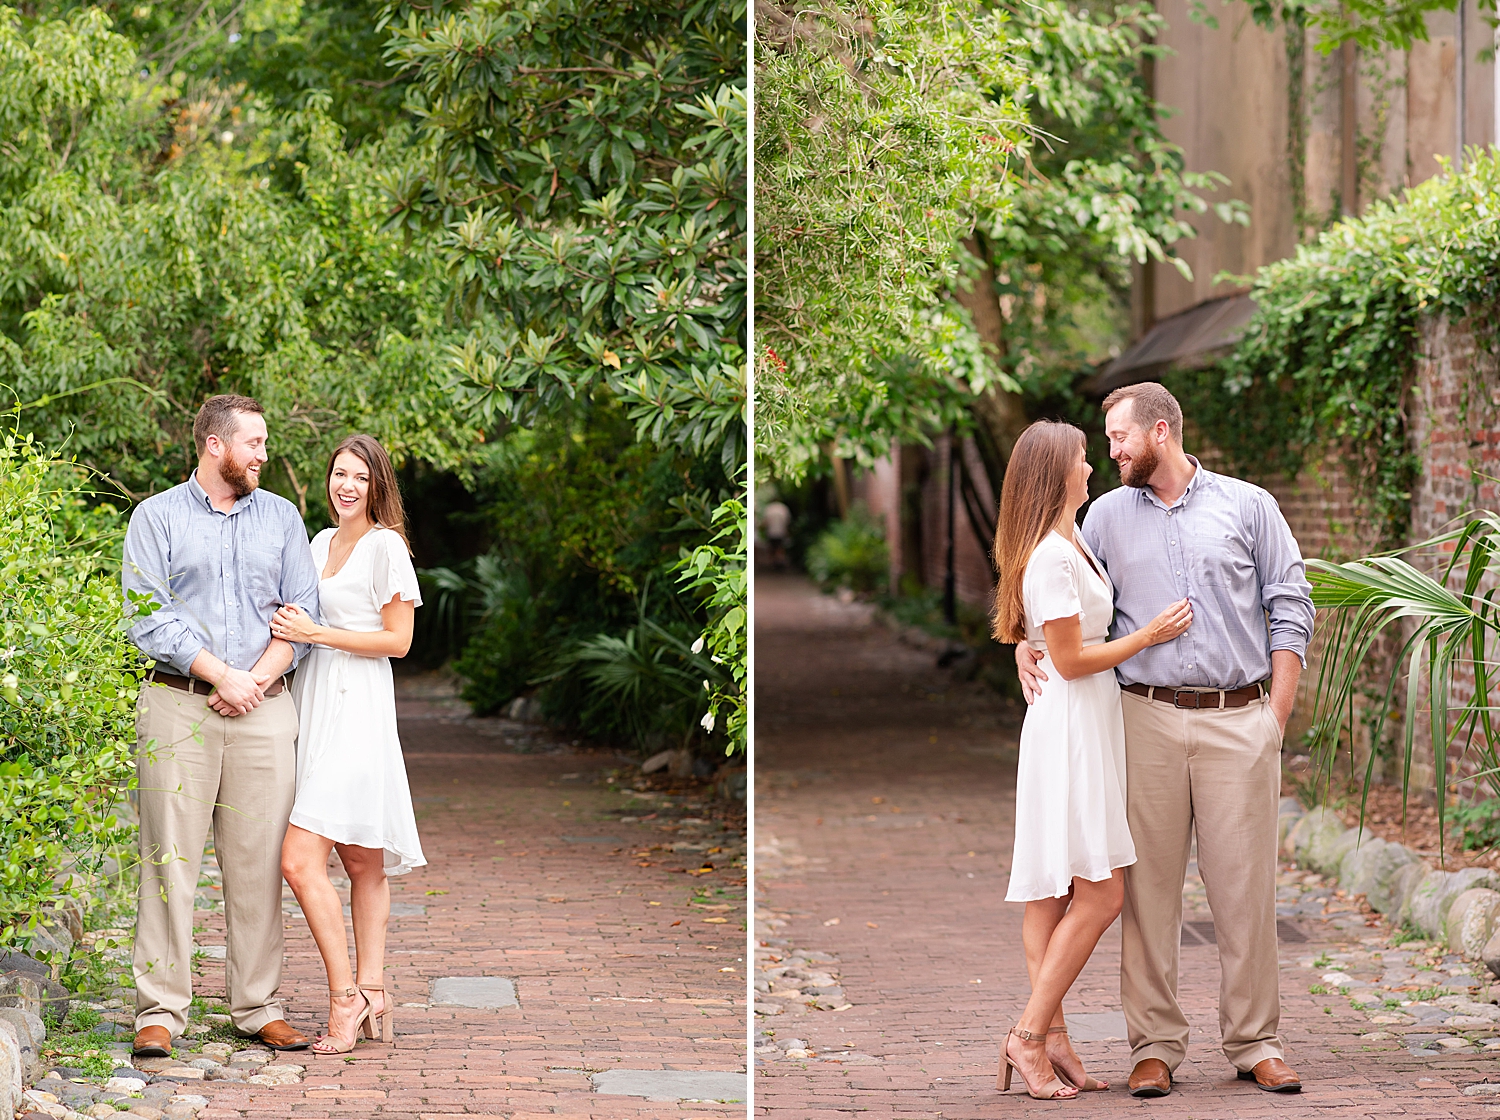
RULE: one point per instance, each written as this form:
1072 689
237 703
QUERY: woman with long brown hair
352 793
1071 837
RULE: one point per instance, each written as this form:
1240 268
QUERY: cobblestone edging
1459 909
1431 989
143 1088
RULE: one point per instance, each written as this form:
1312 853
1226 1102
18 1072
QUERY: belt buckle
1179 693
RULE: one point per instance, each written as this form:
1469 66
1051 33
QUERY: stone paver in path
474 991
625 954
672 1085
889 966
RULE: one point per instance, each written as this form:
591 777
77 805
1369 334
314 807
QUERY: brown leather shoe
278 1034
1273 1075
152 1042
1150 1078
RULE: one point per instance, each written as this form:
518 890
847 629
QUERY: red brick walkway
884 817
621 957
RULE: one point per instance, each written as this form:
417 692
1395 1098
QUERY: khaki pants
196 766
1216 773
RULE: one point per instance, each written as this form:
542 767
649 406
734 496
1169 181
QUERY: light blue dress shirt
1225 547
218 577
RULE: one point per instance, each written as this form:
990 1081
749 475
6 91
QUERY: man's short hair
1152 402
220 416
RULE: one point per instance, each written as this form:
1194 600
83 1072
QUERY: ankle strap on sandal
342 993
1028 1036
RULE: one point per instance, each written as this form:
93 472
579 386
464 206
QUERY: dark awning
1189 338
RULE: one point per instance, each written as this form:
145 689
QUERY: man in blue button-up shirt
216 727
1204 717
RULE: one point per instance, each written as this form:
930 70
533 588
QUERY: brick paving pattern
891 966
625 949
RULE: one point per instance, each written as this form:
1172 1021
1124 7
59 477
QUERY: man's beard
1142 466
235 475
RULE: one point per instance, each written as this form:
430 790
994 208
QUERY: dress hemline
405 863
1063 893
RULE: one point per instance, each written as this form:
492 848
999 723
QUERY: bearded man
1204 719
215 725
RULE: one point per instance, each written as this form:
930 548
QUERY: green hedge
67 686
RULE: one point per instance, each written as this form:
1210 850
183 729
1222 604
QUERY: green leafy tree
278 54
909 278
882 132
585 166
142 270
588 167
1100 190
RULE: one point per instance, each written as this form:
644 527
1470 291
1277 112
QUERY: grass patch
1407 932
1422 995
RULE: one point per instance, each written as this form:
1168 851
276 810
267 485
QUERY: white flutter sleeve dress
1070 783
351 778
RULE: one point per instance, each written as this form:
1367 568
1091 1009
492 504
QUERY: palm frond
1438 634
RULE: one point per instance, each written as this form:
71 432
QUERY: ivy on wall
1327 359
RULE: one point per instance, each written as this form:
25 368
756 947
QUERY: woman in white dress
351 781
1071 835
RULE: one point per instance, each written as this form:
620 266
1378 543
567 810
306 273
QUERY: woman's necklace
330 569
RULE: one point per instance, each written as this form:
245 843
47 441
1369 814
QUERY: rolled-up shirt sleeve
161 635
299 579
1284 591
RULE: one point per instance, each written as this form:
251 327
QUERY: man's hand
238 693
1029 672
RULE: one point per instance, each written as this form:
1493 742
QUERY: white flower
698 645
706 688
707 721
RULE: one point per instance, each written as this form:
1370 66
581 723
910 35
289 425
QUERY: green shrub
851 553
67 686
1480 824
503 656
590 597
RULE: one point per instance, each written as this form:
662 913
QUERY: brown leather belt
201 687
1197 697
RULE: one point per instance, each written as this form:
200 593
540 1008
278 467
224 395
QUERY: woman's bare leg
370 904
1068 944
1041 919
1042 916
304 864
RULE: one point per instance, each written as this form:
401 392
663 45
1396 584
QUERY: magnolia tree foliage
882 131
588 166
585 163
147 260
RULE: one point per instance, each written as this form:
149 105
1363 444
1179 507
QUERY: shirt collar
200 496
1201 477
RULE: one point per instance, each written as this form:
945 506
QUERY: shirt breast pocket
260 574
1227 562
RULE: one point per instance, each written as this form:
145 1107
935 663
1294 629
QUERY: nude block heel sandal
328 1044
1090 1085
381 1022
1053 1090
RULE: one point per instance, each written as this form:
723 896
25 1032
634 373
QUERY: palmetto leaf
1439 634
